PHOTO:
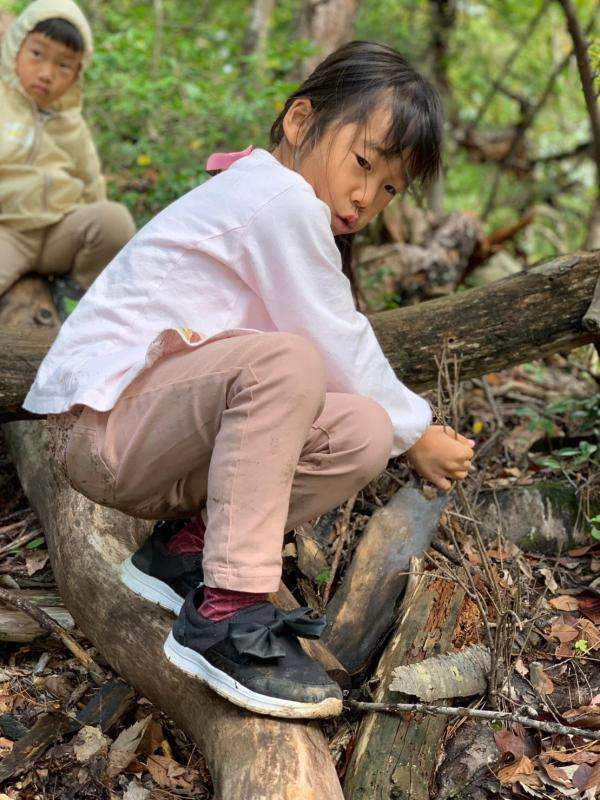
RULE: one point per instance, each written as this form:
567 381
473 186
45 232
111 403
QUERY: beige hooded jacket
48 161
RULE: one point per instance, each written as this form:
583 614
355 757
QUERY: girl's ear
294 122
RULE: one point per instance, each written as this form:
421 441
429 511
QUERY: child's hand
441 454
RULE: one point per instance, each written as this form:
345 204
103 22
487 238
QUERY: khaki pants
243 425
82 243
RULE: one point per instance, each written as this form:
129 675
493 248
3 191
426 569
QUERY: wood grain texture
395 757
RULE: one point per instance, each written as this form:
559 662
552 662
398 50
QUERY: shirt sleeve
294 266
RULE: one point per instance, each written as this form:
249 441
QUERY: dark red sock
189 541
220 604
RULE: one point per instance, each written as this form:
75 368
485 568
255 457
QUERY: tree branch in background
580 46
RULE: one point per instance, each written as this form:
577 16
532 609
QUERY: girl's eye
362 162
66 67
389 188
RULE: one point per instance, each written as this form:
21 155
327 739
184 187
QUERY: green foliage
159 109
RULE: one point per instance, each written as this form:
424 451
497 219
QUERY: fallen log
248 756
363 608
522 317
395 756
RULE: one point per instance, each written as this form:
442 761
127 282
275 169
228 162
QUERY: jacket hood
36 12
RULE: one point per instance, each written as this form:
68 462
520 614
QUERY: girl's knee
297 363
371 438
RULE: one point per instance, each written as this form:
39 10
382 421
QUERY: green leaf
323 577
547 461
35 543
596 533
581 646
70 304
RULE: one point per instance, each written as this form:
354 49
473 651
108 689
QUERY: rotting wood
18 626
395 756
461 674
363 609
107 706
522 317
33 744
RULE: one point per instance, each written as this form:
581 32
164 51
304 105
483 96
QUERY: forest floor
537 423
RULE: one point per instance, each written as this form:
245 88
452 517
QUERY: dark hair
349 85
62 31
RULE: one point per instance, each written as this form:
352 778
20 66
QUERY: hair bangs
61 31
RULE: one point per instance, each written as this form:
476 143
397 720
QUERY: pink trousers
244 426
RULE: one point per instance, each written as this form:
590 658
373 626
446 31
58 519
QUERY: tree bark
328 24
364 607
248 755
396 756
523 317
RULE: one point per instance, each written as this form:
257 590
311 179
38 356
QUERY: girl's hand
441 455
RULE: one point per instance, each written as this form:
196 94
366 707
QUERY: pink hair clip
217 162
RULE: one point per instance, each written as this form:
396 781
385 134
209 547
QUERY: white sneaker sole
194 664
150 588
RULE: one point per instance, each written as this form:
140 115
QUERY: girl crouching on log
218 369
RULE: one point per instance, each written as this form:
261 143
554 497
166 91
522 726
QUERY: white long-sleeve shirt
249 250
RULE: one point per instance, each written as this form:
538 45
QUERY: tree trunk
328 24
396 756
523 317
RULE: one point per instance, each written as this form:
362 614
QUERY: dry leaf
135 791
88 743
590 633
577 757
594 779
35 560
584 717
5 744
520 667
124 747
508 743
564 602
557 774
549 579
516 771
169 774
540 680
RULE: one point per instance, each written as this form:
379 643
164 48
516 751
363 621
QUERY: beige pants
243 425
82 243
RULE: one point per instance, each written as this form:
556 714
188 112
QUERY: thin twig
461 711
13 599
20 541
345 521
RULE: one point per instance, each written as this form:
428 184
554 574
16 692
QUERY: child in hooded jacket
219 370
54 215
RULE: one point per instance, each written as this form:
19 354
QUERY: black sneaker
255 660
159 576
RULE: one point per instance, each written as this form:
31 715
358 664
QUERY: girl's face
345 168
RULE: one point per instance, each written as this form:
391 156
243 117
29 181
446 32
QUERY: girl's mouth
346 224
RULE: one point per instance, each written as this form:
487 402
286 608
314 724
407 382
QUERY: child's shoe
159 575
254 659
